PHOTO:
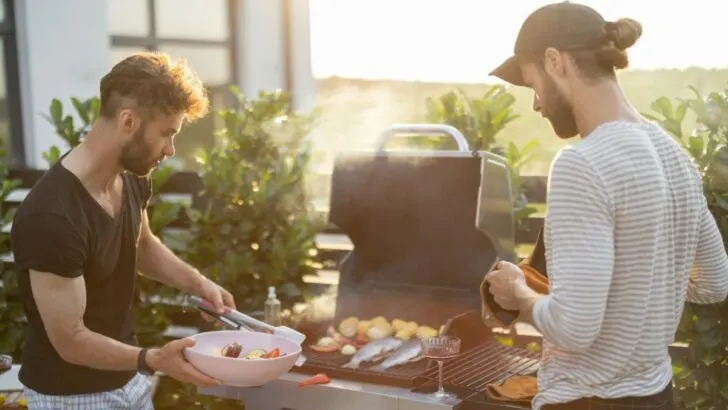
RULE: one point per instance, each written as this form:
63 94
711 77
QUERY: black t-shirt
61 229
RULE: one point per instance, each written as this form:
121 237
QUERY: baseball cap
563 26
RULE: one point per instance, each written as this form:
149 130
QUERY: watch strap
142 365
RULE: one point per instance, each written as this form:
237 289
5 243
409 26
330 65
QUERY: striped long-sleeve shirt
628 240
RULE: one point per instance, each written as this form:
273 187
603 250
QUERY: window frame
8 37
152 41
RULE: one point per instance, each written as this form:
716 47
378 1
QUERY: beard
137 156
559 111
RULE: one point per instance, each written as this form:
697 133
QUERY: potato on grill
411 326
404 334
348 326
426 331
348 350
363 327
398 324
379 330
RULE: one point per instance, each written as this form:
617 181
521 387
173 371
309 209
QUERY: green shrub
65 127
12 317
701 377
479 119
256 229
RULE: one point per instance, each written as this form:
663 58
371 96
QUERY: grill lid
418 254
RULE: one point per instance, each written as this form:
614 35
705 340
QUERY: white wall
63 51
260 50
304 84
260 46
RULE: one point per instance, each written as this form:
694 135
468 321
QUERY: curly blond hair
155 83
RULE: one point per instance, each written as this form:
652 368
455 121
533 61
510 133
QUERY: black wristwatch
142 365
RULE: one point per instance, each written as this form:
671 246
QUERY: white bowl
206 356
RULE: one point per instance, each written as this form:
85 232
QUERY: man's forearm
91 349
527 299
156 261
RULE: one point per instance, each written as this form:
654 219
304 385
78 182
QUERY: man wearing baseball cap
628 235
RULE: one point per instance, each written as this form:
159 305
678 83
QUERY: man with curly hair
82 234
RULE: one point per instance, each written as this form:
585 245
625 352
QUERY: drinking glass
441 348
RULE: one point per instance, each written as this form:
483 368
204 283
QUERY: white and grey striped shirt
627 223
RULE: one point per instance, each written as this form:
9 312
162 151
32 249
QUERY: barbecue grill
426 226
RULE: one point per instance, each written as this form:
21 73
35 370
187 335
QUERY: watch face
6 362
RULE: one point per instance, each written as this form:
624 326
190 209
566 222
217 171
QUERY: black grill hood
418 254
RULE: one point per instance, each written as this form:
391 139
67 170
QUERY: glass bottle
272 312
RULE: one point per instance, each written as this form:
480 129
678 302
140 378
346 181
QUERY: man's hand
219 297
171 361
505 281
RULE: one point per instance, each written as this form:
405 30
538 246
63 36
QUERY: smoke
353 115
318 309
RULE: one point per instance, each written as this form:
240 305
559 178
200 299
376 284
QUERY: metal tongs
237 320
227 323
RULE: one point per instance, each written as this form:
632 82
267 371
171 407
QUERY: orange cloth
534 267
514 389
535 279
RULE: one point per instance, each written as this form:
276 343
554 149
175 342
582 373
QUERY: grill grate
330 363
488 363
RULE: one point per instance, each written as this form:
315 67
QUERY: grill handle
423 129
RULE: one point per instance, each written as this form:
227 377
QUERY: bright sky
462 40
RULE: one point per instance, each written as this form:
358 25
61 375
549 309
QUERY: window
200 31
11 129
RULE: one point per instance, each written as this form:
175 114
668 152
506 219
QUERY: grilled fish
372 351
409 352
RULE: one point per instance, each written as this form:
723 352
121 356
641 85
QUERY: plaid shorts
135 395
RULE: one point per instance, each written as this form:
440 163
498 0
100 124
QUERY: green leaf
663 106
673 127
56 110
651 117
524 213
696 144
94 109
680 112
708 357
680 373
81 110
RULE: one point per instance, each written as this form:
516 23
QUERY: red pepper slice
320 378
272 354
342 340
361 338
325 349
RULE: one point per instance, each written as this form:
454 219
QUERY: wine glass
441 348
